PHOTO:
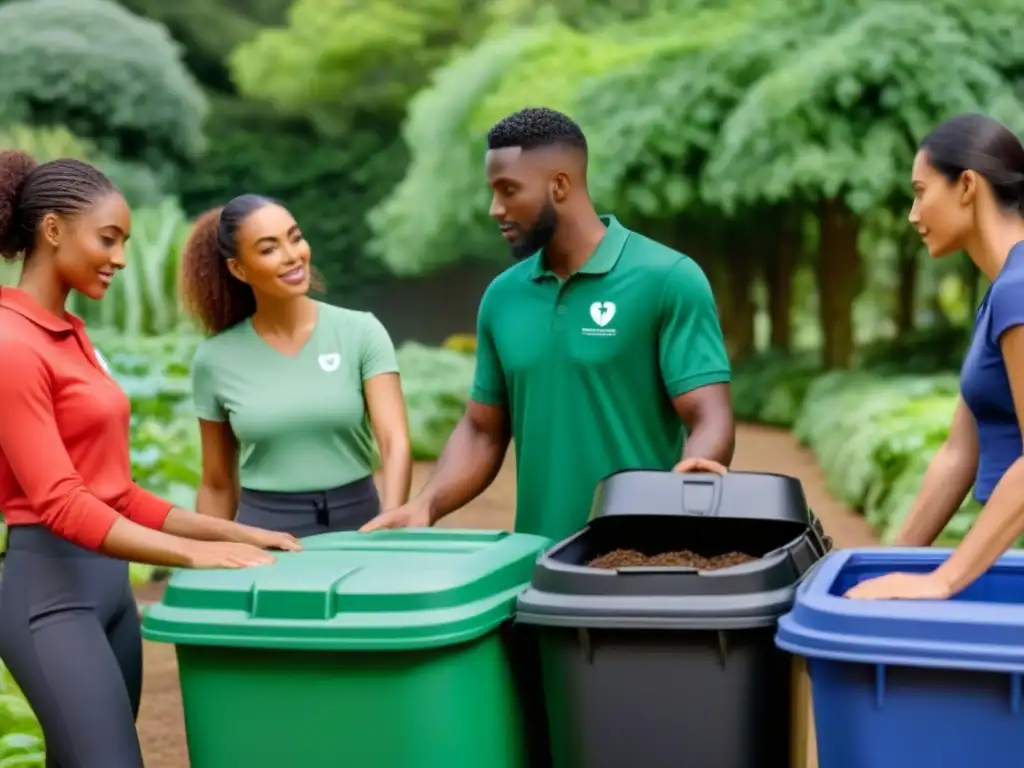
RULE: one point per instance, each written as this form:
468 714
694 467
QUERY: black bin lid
760 495
566 592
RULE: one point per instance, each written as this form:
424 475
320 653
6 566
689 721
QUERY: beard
538 236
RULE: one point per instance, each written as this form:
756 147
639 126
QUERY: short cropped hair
536 127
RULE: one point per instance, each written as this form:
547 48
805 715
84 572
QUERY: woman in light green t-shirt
290 392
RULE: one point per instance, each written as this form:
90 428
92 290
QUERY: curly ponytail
211 295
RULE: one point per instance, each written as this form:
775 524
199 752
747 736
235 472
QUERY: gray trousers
344 508
69 634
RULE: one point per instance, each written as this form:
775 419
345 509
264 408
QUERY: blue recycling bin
896 683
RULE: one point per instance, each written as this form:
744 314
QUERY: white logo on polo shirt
601 312
330 362
102 362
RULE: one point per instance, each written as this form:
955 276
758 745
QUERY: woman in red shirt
69 627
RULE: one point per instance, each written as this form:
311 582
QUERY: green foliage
108 75
436 385
651 124
154 373
45 143
771 389
551 70
438 211
874 436
840 115
940 348
140 185
873 432
210 30
337 57
21 738
329 185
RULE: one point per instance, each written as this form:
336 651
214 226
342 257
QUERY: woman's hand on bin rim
700 465
415 514
226 554
902 586
264 539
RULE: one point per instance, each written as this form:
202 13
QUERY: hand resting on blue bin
902 586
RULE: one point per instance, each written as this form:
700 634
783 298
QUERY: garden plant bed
631 558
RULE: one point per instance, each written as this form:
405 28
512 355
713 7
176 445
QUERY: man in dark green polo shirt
593 351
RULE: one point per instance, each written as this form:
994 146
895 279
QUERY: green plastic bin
385 650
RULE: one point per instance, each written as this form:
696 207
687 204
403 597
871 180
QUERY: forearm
711 437
221 503
396 460
945 485
998 526
137 543
470 461
190 525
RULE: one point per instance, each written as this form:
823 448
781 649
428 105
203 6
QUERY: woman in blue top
968 181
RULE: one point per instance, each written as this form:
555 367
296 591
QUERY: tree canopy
842 115
722 106
336 57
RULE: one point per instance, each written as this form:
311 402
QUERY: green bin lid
387 590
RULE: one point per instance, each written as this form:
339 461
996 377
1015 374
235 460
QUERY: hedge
872 432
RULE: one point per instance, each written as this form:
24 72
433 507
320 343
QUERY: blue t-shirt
984 383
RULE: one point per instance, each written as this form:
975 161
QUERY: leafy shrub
770 389
108 75
436 384
21 738
140 185
154 372
930 350
873 432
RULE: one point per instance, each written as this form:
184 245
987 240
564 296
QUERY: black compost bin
672 666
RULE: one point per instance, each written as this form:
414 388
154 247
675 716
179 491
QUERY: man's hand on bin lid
700 465
415 514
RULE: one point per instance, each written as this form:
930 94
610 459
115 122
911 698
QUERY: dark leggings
344 508
69 634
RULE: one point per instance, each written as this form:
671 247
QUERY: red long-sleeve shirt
64 456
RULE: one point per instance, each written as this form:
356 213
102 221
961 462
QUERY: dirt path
759 448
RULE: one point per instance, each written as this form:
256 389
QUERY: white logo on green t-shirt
330 362
602 312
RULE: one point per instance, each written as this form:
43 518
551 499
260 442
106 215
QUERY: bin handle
708 508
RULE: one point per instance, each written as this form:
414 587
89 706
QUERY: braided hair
30 190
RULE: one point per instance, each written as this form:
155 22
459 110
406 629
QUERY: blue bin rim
948 634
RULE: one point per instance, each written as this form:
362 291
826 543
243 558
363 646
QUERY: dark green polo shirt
588 367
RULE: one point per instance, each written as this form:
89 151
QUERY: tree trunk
780 268
839 280
740 262
906 288
704 243
729 263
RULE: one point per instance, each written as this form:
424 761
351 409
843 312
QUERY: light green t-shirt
301 422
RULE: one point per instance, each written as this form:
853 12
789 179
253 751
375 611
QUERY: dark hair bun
15 167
